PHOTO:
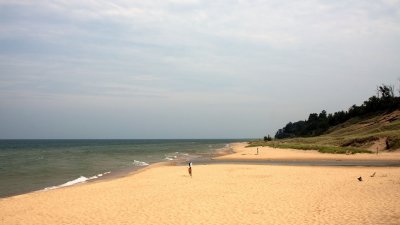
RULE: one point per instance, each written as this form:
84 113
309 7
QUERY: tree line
317 123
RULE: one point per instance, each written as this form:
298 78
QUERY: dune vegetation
371 127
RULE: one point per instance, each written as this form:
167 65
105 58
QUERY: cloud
272 23
277 54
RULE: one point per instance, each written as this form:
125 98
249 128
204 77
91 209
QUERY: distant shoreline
242 152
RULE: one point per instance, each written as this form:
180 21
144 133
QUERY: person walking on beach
257 151
190 169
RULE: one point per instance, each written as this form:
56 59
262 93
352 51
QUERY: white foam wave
176 155
102 174
139 163
69 183
171 157
78 180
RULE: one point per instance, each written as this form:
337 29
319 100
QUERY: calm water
29 165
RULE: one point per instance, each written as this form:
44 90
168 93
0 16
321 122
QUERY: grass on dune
320 148
354 136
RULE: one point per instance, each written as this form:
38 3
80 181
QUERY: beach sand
269 153
219 194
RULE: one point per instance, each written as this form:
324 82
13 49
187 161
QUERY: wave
78 180
177 156
171 157
139 163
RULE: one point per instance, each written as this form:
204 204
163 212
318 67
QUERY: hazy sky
188 69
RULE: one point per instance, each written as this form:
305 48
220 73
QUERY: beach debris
373 174
359 179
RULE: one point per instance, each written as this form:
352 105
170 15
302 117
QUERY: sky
188 68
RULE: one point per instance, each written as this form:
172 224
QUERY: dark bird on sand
359 179
373 174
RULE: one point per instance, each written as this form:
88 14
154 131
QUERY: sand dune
219 194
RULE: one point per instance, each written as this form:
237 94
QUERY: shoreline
129 171
238 153
219 194
109 176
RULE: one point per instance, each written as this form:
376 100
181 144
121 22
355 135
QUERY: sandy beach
222 194
268 153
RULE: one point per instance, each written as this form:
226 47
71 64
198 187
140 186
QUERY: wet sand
220 194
